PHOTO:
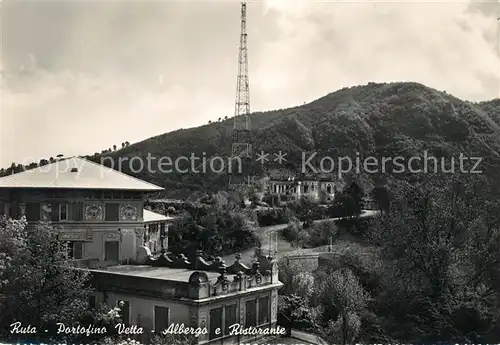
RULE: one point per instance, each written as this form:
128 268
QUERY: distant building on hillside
156 228
289 189
101 215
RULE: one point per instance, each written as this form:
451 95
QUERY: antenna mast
241 150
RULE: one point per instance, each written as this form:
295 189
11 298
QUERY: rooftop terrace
177 276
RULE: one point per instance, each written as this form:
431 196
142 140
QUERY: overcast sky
79 77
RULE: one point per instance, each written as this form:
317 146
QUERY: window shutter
264 310
78 211
78 250
161 318
112 213
33 212
125 312
250 314
215 322
92 302
14 210
55 212
229 317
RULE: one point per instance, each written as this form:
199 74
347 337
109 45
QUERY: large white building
288 189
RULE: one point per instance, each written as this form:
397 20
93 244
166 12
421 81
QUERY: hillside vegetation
380 120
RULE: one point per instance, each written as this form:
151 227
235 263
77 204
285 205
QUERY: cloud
80 77
328 45
77 114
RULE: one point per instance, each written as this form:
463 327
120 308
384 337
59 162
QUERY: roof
150 216
88 175
162 273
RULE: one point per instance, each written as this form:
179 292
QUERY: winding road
284 247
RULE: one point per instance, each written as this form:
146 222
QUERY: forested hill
381 120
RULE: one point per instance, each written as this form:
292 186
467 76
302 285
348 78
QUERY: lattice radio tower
241 141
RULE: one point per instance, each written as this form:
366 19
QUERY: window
263 310
161 318
92 302
112 214
306 189
92 195
215 322
250 313
128 195
329 189
124 311
75 250
111 251
77 211
230 317
13 210
33 212
63 211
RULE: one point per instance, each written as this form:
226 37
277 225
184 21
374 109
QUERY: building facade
290 189
156 230
101 215
99 210
195 293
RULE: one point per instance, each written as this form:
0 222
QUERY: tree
219 226
114 147
351 200
295 313
52 160
38 285
322 196
441 244
19 168
342 292
60 156
123 145
381 198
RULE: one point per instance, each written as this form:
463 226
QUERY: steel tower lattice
241 139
